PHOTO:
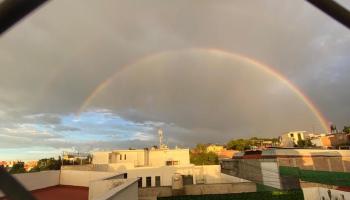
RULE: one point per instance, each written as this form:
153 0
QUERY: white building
143 157
158 167
291 138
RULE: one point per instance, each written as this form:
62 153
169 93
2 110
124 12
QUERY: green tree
49 164
240 144
35 169
17 168
200 148
346 129
204 158
305 143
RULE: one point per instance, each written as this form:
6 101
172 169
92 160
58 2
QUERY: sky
153 65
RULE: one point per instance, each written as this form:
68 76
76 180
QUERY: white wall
212 174
166 173
38 180
130 193
100 157
135 157
82 178
113 189
159 157
270 174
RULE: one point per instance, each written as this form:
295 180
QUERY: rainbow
218 52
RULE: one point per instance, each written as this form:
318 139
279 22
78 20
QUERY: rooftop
62 192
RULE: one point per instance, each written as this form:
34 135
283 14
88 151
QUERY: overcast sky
55 58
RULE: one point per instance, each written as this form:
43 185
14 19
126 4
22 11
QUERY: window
157 181
125 175
148 181
124 156
120 157
139 182
171 162
299 136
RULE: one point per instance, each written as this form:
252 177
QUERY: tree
49 164
346 129
200 148
240 144
17 168
305 143
35 169
204 158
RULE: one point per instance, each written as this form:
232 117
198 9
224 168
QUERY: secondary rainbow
218 52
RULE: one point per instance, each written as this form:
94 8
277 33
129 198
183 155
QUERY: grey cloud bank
52 61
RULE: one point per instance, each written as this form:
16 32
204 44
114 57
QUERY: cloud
52 61
65 128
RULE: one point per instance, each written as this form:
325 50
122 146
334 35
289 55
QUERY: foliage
204 158
346 129
35 169
240 144
200 148
48 164
17 168
244 144
305 143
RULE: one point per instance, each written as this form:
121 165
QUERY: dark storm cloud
52 61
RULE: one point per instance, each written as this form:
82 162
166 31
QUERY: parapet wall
38 180
81 178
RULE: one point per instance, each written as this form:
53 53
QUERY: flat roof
60 192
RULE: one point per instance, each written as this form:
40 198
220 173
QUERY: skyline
51 65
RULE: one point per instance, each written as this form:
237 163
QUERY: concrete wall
81 178
270 174
166 173
100 157
316 193
113 189
336 164
210 174
38 180
155 157
98 188
222 188
146 193
159 157
135 157
129 193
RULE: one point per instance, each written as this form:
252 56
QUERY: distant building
75 157
30 165
283 168
334 140
321 141
214 148
8 163
224 154
143 157
291 139
154 167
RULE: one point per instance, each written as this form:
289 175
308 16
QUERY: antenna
160 133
